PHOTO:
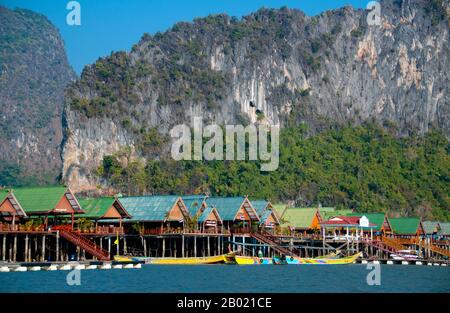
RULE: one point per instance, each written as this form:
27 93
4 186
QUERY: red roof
345 220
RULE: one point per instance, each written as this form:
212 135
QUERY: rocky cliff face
33 74
273 66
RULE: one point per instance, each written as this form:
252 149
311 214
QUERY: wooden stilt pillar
125 251
4 248
195 245
15 249
182 246
164 247
43 249
109 246
26 248
209 247
57 246
118 246
145 246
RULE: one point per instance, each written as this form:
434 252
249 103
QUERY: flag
116 242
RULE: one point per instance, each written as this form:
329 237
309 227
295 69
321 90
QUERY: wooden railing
20 228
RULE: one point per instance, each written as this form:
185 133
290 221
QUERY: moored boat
324 261
248 260
229 258
182 261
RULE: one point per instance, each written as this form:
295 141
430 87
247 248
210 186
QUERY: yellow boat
249 260
229 258
185 261
123 259
326 261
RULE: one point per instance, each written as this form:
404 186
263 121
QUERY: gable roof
8 195
204 216
405 225
445 229
98 207
346 221
374 218
228 207
267 214
194 203
151 208
431 227
260 206
44 199
301 218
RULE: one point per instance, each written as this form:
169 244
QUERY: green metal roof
405 226
148 208
228 207
39 199
193 203
445 229
298 217
203 217
374 218
260 206
431 227
97 207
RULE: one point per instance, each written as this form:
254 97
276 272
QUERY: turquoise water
229 278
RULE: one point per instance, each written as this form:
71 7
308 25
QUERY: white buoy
106 266
21 269
405 263
35 268
364 262
443 264
91 267
389 262
4 269
139 265
65 267
436 264
430 264
80 267
52 268
118 266
128 266
418 263
376 262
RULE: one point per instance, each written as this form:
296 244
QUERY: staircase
382 246
438 250
416 241
393 243
85 244
273 242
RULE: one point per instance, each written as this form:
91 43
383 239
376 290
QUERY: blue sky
112 25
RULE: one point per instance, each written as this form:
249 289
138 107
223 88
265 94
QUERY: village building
210 221
10 211
343 227
154 214
237 213
431 229
379 219
407 227
301 221
269 219
53 204
104 209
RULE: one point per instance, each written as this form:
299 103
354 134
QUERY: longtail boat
248 260
324 261
181 261
229 258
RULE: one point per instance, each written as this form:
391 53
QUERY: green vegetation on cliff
363 168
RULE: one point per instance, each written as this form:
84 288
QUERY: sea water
234 278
